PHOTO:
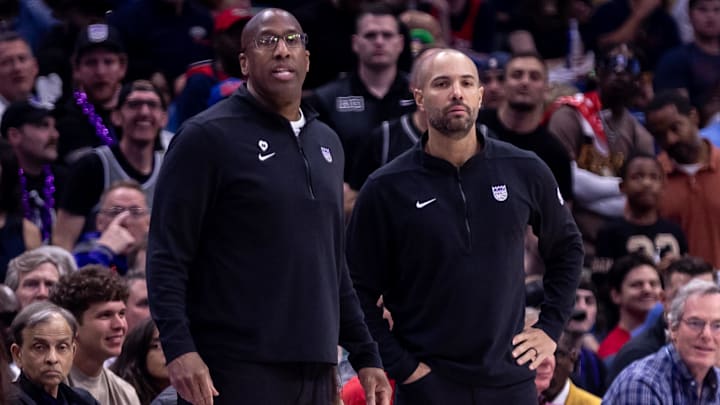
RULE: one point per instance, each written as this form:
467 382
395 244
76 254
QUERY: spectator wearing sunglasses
600 133
122 222
141 114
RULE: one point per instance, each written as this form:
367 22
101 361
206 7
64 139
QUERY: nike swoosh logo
263 158
424 204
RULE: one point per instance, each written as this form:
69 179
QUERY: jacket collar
436 163
244 96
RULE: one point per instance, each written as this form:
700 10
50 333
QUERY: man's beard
452 127
684 154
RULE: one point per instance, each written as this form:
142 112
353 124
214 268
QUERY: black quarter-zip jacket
246 247
444 245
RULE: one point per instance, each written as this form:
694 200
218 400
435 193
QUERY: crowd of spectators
619 98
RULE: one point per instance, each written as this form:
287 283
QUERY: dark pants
277 384
434 389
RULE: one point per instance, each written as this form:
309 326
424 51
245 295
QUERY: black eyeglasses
270 41
137 104
134 211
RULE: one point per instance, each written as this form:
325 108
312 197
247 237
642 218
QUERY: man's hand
116 236
191 378
532 345
376 386
421 371
349 197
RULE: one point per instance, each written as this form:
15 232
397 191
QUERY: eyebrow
47 342
270 31
465 76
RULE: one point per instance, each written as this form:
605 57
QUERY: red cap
226 18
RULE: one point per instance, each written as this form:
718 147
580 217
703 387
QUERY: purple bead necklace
48 198
89 110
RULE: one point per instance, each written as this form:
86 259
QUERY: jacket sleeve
369 248
183 195
98 254
354 334
560 246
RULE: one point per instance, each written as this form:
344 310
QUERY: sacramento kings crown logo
500 192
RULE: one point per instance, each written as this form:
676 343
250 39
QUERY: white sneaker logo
424 204
263 158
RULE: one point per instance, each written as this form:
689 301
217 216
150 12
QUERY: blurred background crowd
620 98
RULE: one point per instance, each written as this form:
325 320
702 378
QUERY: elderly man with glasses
122 223
247 278
683 371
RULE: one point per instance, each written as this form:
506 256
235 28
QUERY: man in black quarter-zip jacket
246 268
439 233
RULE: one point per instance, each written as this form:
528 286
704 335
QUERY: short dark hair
139 85
693 3
11 36
690 265
622 266
135 275
586 282
89 285
39 313
376 9
634 156
528 54
670 97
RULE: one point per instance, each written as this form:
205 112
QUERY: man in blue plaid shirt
683 371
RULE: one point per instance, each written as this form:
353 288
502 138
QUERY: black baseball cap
20 113
494 61
98 36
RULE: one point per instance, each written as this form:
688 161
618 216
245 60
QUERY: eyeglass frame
135 211
136 104
276 40
697 325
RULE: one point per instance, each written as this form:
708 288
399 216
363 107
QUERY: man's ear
16 354
694 117
419 99
574 353
115 118
14 136
123 64
354 44
244 63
